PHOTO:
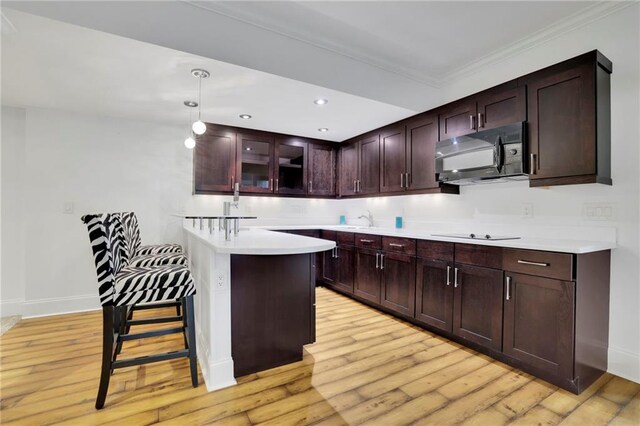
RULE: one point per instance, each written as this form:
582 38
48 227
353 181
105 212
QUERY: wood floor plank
366 367
596 410
630 414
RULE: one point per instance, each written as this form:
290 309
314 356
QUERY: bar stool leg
107 354
191 331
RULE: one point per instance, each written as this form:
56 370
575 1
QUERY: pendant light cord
199 96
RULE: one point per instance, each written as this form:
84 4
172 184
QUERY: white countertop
256 241
556 245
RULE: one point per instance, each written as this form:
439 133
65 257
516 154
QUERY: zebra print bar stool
121 286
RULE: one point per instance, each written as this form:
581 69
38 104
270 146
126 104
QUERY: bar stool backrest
108 245
131 233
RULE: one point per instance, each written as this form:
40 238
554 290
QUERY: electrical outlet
598 211
220 282
527 210
67 208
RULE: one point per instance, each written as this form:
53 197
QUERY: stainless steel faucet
226 206
369 217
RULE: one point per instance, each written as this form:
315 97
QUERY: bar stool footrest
150 358
163 332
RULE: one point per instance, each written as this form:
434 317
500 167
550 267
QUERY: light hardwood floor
366 368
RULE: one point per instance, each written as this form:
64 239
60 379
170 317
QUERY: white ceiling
51 64
424 40
377 62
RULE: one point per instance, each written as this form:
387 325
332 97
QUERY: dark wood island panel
272 310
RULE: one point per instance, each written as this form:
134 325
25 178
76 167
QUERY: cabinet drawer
329 235
368 241
541 263
486 256
435 250
399 245
346 238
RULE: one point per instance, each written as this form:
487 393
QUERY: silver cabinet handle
407 180
526 262
401 180
377 260
366 241
358 185
354 186
310 186
471 126
277 185
532 166
455 278
381 261
508 288
271 184
336 249
448 275
480 121
396 245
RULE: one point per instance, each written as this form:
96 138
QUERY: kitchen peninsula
256 301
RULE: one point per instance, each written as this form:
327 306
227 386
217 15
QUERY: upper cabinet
422 135
360 166
291 166
569 122
321 171
214 161
263 163
492 108
255 162
393 159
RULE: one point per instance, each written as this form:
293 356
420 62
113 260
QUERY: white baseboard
624 364
11 307
60 305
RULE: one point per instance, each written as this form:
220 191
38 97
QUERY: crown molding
594 13
557 29
251 19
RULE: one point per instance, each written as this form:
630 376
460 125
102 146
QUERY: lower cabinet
367 275
345 262
398 273
539 322
434 293
477 305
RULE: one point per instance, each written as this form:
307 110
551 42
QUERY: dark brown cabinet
393 159
290 166
360 167
367 275
255 165
369 165
321 170
492 108
338 264
539 322
434 293
422 135
348 170
398 274
477 305
214 161
457 119
569 122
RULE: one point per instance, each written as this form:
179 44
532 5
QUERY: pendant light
199 127
189 142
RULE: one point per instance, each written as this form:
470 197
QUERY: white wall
12 274
98 164
104 164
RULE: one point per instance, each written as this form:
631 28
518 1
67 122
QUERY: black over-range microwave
487 156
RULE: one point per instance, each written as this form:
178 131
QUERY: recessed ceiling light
323 129
320 101
248 148
245 116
